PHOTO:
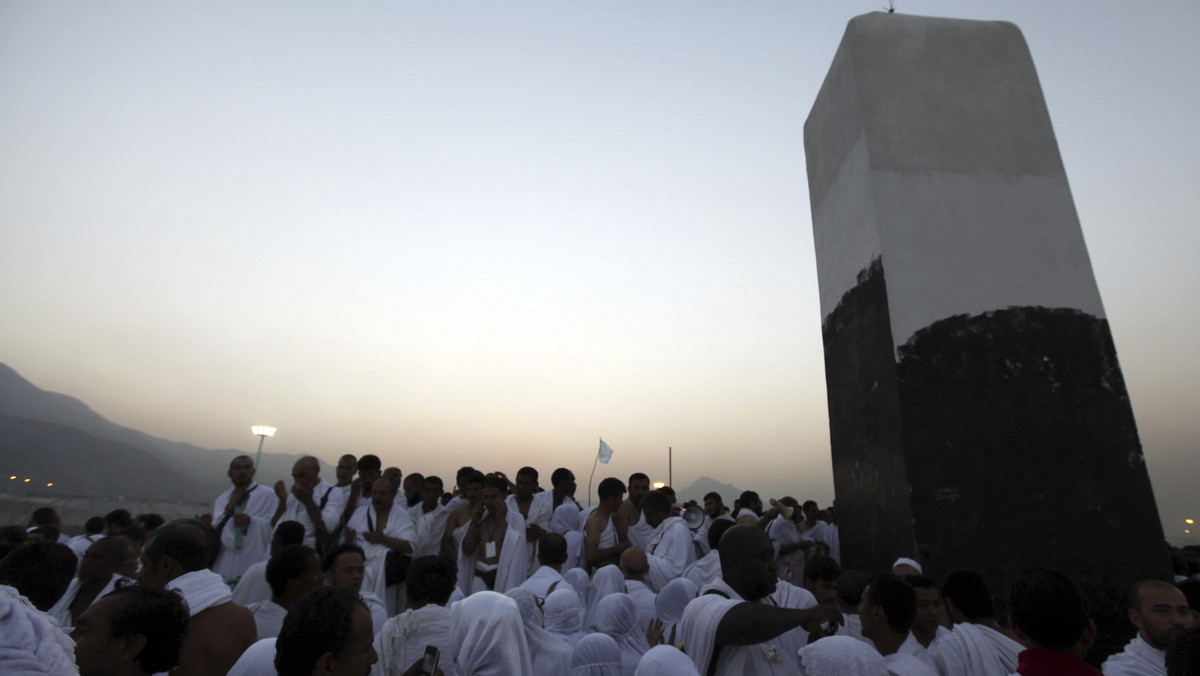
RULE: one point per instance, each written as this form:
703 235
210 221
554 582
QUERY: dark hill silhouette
82 465
206 468
705 484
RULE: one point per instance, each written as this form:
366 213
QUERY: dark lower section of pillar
870 480
1021 451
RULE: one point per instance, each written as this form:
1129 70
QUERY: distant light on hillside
27 481
13 476
49 484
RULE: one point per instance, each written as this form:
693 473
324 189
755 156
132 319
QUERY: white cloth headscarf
578 578
29 641
565 518
565 522
663 660
487 636
596 655
671 601
548 653
840 656
607 580
617 616
564 615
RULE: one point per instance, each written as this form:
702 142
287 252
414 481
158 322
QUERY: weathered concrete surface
978 416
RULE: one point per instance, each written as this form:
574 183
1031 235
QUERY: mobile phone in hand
429 666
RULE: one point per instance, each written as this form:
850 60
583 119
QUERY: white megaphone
784 510
693 516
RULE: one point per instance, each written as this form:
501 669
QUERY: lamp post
262 432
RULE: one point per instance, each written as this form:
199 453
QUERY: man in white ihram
242 518
975 645
379 528
313 502
669 549
1161 613
734 625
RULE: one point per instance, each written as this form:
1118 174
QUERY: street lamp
262 432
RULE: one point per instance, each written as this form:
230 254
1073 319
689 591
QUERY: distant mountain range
52 437
705 485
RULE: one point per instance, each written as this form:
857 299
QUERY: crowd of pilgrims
381 573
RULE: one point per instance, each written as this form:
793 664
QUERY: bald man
379 528
1161 613
314 503
734 625
635 567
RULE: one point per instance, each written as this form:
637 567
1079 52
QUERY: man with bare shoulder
602 545
471 485
219 630
629 521
493 547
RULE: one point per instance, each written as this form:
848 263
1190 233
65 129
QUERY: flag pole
593 474
670 481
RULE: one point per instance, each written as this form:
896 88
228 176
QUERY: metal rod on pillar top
670 481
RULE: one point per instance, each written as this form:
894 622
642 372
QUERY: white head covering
902 561
578 578
596 655
670 602
564 615
29 641
663 660
487 636
617 616
607 580
565 518
548 653
840 656
673 599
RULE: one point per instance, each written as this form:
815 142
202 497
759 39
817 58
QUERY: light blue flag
605 453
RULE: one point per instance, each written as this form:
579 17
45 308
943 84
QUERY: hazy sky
489 233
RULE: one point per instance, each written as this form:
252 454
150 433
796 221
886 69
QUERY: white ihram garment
841 656
399 525
669 551
1137 659
331 512
403 639
976 650
61 611
540 510
243 547
698 632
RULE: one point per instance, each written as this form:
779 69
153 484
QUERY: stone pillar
978 416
